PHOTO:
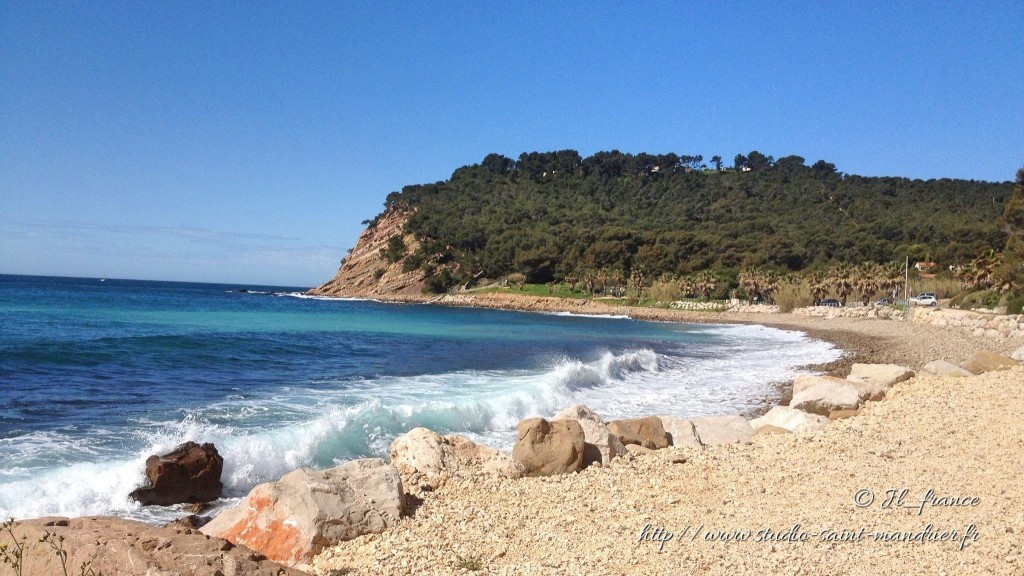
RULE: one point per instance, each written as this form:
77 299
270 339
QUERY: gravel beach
786 504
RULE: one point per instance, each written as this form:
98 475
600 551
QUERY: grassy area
559 291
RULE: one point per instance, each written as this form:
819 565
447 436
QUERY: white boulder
791 419
826 396
731 429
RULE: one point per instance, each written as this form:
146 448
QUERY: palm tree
866 279
980 274
818 285
748 283
705 283
758 283
687 286
839 279
891 278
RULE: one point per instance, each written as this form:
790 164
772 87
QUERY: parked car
926 299
883 302
831 302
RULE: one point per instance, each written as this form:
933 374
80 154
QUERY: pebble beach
922 481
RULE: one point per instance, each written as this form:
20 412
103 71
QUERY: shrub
395 249
792 295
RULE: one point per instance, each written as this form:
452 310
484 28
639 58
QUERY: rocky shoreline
438 487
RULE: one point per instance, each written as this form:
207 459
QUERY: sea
98 374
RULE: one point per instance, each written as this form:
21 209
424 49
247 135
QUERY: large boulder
293 519
126 547
189 473
426 459
599 444
826 396
804 381
874 380
730 429
548 448
985 361
790 419
681 432
647 432
943 368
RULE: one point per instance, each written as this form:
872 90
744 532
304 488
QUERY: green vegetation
634 219
395 249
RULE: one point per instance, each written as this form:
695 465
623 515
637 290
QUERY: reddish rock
294 519
189 473
128 548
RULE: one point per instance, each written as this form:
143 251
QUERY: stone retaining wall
999 326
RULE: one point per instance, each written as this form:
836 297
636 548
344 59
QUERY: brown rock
842 414
600 446
129 548
548 448
189 473
293 519
637 450
425 458
985 361
770 429
648 432
190 522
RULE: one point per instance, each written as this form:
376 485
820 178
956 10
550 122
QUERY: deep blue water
94 376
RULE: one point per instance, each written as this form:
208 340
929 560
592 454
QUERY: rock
943 368
985 361
791 420
599 444
638 450
826 396
189 473
769 429
425 458
578 412
548 448
805 381
842 414
681 432
190 522
647 432
731 429
293 519
1018 354
874 380
126 547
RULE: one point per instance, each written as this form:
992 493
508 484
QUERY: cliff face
365 272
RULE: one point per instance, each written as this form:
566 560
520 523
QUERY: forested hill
556 214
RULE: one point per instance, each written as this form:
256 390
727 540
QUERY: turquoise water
95 376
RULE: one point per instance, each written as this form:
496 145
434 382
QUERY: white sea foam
305 296
576 315
331 422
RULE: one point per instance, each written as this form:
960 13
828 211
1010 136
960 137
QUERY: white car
926 299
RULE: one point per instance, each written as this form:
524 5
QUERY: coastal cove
104 374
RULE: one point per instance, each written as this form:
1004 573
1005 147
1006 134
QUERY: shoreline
869 341
594 521
708 483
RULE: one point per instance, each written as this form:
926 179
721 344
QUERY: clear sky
245 142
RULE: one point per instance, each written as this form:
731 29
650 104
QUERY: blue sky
244 143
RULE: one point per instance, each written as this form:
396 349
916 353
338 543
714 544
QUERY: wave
305 296
329 422
577 315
